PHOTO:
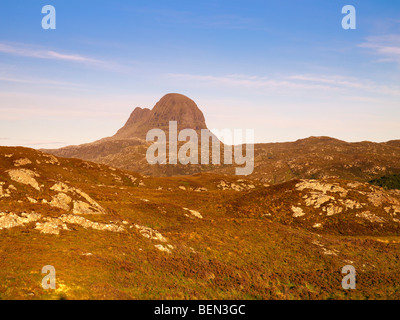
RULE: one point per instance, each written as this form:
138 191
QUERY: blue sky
286 69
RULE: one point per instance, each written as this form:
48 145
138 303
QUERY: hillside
112 234
313 157
323 157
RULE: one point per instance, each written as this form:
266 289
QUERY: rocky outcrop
24 176
72 219
193 213
79 207
330 205
171 107
22 162
61 200
53 225
150 233
12 220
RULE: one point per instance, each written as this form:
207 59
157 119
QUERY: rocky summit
171 107
127 148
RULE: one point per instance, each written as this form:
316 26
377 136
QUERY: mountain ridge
315 156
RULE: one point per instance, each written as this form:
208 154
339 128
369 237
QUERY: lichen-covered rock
51 226
162 248
201 189
11 220
194 213
323 187
81 207
297 212
150 233
51 159
351 204
332 210
24 176
370 216
61 200
31 200
317 199
72 219
22 162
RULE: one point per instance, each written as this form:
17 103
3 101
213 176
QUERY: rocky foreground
114 234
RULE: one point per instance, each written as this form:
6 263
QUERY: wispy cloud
245 81
29 51
26 51
336 81
387 46
301 81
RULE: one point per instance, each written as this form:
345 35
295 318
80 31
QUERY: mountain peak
137 115
176 98
171 107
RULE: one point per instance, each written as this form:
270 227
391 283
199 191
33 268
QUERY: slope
112 234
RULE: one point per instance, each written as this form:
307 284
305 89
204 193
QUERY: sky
286 68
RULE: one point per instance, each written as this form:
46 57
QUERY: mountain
171 107
127 148
313 157
114 234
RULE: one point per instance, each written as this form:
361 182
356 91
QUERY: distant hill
393 143
314 157
323 157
